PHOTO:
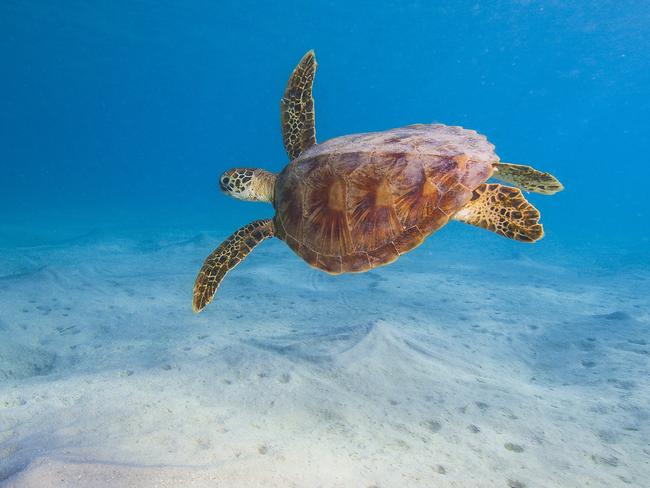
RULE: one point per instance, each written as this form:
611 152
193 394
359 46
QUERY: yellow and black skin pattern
224 258
297 108
504 211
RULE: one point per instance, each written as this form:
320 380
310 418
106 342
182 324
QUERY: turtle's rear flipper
504 210
228 255
527 178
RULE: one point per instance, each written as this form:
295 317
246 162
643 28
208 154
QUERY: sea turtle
357 202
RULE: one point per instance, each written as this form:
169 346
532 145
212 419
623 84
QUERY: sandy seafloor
472 362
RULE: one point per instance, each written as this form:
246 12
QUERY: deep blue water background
116 113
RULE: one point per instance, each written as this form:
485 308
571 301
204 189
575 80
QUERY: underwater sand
469 362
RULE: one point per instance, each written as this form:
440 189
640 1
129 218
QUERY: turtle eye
223 183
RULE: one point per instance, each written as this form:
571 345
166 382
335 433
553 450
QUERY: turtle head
255 185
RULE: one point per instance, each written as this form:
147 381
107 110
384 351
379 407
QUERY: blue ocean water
116 120
130 110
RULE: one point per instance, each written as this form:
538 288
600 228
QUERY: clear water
472 361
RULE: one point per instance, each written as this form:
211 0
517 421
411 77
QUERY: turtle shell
357 202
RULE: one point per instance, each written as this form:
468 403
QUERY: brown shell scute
357 202
325 224
373 218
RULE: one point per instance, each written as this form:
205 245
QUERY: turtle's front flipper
228 255
504 210
297 108
527 178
